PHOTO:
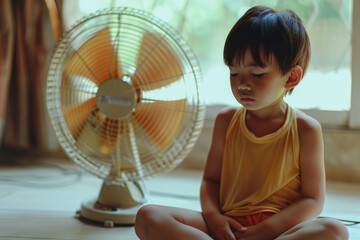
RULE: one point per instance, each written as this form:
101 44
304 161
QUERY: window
328 90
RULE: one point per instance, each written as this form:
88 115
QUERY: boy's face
257 87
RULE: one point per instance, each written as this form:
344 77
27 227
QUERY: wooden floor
39 200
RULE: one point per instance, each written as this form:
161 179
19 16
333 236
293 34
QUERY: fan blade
99 134
102 136
96 59
89 140
95 132
75 116
161 120
78 85
157 64
110 130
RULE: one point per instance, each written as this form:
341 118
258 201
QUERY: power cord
52 176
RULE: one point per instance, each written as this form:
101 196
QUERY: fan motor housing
116 98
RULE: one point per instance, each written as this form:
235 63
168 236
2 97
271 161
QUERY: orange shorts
253 219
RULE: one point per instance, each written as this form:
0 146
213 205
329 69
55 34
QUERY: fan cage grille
133 154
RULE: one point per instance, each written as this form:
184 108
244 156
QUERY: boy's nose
243 84
244 87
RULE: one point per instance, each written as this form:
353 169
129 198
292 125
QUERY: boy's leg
161 222
324 228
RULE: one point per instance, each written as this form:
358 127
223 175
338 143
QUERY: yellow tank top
260 173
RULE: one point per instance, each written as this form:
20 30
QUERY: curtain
29 32
6 56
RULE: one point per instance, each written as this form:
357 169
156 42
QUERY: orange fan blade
89 141
101 138
157 64
96 59
110 130
99 134
75 116
161 120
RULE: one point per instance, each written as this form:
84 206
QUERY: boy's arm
218 224
312 172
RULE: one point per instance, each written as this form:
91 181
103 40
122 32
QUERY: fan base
108 216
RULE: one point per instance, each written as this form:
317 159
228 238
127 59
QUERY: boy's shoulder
224 117
227 113
307 124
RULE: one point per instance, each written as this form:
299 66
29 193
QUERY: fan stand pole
117 203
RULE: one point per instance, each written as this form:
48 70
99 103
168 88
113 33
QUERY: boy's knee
334 228
144 213
148 214
143 220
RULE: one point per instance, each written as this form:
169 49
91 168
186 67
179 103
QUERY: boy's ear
294 77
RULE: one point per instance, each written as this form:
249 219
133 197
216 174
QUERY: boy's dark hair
278 34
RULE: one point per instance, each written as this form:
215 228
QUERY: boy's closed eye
258 75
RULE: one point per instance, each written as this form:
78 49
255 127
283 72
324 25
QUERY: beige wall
342 155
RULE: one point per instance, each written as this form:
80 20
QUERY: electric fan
123 98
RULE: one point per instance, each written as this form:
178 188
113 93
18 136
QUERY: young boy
264 177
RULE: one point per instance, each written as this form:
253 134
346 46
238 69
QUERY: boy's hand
222 227
256 232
